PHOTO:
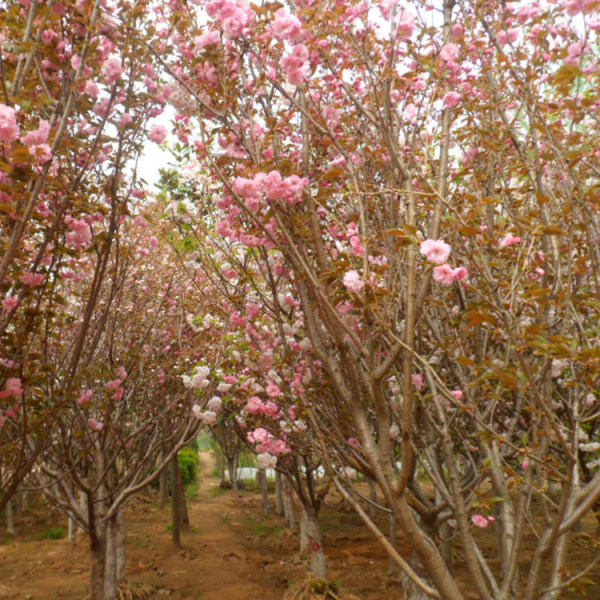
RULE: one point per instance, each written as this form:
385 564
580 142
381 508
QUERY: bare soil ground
231 553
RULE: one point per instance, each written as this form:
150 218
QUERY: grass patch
266 529
54 533
191 491
217 491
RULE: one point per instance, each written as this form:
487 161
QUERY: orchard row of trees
93 335
385 233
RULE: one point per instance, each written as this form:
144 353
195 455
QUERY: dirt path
224 569
214 563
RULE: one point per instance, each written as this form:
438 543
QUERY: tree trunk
121 564
232 468
183 511
278 493
393 539
288 505
304 543
176 503
114 567
72 529
318 562
264 490
97 571
163 485
220 464
10 520
372 511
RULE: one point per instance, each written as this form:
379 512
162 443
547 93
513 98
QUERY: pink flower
458 394
9 129
153 242
295 65
286 26
118 394
95 425
509 240
85 397
356 247
91 89
125 119
121 373
80 234
480 521
112 70
353 281
436 251
254 405
113 385
273 390
507 36
406 25
157 134
37 136
451 100
449 52
353 442
32 279
12 387
235 15
42 153
210 38
417 379
446 275
9 303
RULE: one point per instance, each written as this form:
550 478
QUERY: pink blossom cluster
265 442
481 521
509 240
10 303
32 279
37 136
157 134
9 128
451 100
446 275
436 251
256 406
270 185
112 69
80 234
208 417
574 7
353 281
295 64
286 26
85 397
208 38
235 15
12 387
95 425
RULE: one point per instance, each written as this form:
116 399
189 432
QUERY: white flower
266 461
350 472
215 404
209 417
592 447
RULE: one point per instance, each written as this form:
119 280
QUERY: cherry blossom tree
424 174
